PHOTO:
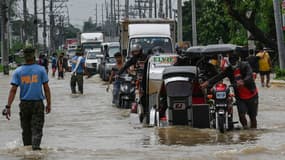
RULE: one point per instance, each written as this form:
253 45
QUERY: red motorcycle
221 110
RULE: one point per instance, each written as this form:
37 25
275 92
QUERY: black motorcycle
127 90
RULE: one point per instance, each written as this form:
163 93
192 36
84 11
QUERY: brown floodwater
88 127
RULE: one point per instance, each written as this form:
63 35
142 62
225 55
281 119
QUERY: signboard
164 60
283 14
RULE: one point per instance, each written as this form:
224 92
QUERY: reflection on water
190 137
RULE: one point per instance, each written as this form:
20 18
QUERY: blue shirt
30 79
53 61
80 68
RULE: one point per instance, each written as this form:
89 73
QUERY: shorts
249 106
263 73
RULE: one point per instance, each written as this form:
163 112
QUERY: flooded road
88 127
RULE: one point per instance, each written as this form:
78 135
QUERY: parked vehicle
108 61
93 58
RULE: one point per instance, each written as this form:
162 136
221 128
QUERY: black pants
32 122
60 74
76 78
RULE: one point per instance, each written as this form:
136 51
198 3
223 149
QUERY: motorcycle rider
139 60
241 77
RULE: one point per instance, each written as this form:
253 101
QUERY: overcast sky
79 10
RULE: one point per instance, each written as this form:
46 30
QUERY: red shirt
243 91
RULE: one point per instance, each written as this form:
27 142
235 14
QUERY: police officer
31 78
78 66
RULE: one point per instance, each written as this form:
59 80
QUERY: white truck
90 41
149 33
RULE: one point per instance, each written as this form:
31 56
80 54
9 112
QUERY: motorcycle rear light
221 87
163 118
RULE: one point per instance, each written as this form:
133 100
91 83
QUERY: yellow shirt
263 62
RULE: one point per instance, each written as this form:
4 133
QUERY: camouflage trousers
32 118
76 79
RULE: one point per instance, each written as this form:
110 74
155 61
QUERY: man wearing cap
78 65
31 78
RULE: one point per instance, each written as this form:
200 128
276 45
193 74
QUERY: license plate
179 106
221 95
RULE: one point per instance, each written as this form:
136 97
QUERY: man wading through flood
78 66
31 78
241 77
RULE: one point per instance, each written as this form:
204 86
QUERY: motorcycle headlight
124 88
132 89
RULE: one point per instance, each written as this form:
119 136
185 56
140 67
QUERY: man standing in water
31 78
114 78
78 65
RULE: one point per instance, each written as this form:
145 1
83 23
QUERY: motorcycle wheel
230 123
221 123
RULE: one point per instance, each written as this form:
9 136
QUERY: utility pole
194 23
36 24
126 9
155 9
96 15
4 37
107 10
10 35
179 23
150 8
115 14
140 9
44 27
25 10
68 16
166 8
102 6
119 11
160 12
111 27
52 39
170 9
279 33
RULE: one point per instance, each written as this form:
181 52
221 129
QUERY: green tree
228 20
213 24
70 31
89 26
261 21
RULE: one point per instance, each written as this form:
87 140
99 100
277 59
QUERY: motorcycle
221 111
127 91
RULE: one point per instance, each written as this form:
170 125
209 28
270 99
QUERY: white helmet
136 48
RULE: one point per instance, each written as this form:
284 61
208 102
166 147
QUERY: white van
93 59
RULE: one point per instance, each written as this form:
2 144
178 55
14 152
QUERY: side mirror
125 52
